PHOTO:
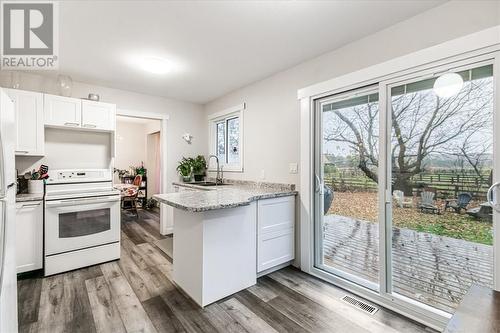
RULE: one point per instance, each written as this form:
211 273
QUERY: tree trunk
403 183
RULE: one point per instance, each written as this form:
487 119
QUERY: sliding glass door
441 159
402 170
347 162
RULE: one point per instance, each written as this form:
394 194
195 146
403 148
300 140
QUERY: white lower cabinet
29 236
275 232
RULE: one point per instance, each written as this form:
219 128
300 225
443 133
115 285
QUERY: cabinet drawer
276 214
275 248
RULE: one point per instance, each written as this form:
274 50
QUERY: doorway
402 172
139 166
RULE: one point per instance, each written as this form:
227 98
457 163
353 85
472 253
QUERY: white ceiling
218 46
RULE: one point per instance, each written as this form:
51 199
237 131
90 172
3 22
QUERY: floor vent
359 304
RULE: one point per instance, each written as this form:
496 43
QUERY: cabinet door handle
89 125
71 124
22 151
30 205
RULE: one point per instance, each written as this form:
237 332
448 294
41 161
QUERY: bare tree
423 125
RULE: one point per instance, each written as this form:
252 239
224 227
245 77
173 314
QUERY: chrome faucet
219 177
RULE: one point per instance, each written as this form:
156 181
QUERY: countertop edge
226 206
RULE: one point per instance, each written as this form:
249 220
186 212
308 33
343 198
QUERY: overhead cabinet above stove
34 111
69 112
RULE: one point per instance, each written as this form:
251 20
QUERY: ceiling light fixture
155 65
448 85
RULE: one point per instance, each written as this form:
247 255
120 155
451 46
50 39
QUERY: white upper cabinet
74 112
97 115
28 107
62 111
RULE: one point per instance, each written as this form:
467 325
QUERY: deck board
434 269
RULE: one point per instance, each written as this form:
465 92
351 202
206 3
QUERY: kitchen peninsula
225 236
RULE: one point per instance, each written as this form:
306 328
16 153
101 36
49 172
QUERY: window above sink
226 138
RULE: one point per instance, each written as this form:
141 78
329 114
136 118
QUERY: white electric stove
82 219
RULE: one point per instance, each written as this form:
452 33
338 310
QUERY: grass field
363 205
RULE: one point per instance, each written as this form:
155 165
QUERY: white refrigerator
8 277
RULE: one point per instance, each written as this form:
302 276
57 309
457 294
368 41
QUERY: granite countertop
23 197
226 196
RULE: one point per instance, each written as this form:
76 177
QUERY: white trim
306 190
496 167
141 114
164 228
473 42
236 111
480 46
228 111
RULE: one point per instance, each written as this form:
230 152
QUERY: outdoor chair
427 203
461 202
401 201
328 197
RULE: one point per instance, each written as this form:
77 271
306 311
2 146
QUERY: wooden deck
433 269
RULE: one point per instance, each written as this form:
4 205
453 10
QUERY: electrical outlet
293 167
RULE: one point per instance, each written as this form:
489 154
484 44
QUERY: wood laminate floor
136 294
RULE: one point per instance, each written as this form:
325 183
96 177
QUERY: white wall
130 144
271 135
184 116
69 150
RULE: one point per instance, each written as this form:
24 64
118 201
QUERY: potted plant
140 170
185 168
199 165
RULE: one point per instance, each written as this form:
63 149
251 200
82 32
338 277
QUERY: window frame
214 120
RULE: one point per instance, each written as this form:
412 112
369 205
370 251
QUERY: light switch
262 174
293 167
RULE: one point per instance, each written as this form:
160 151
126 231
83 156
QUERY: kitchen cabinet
275 232
97 115
74 112
28 108
62 111
29 235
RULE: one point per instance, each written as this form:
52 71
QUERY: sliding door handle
319 185
489 197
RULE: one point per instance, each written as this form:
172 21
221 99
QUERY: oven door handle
83 201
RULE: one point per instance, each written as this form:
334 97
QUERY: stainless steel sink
208 184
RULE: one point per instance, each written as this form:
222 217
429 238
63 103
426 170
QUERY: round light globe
448 85
155 65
